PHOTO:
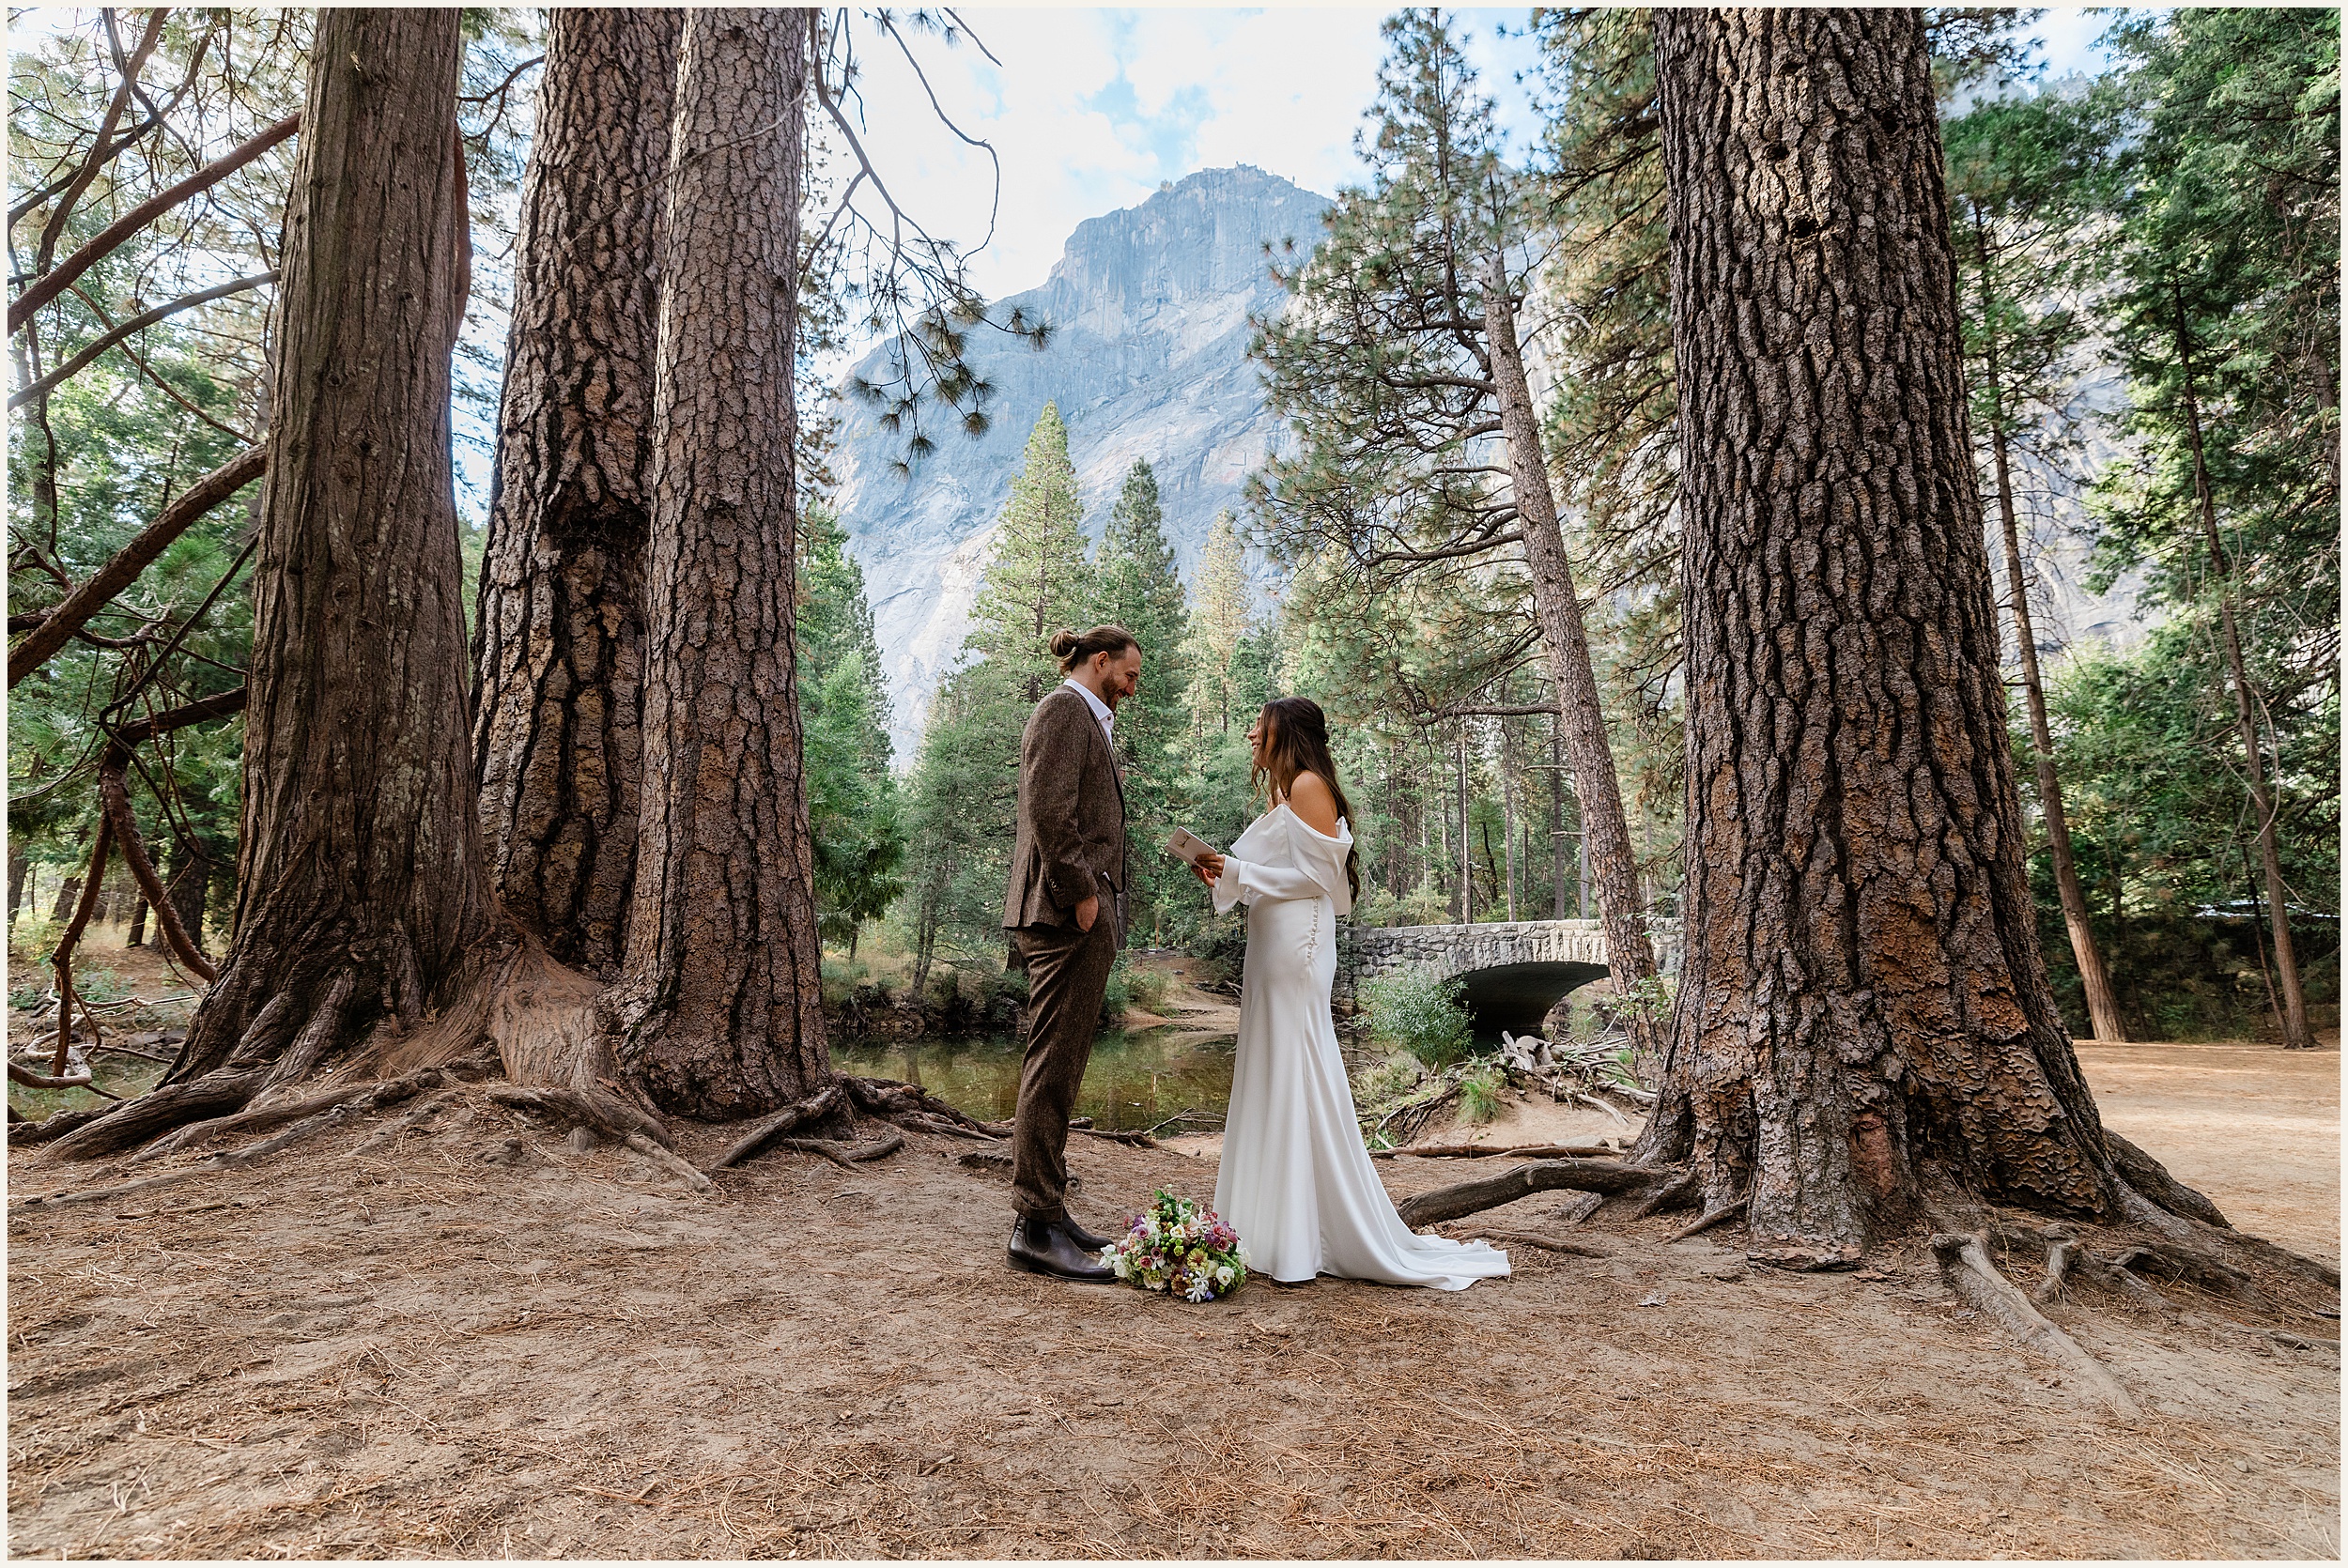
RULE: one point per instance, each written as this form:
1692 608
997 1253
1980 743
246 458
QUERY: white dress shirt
1101 710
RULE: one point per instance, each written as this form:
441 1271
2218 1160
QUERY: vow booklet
1187 846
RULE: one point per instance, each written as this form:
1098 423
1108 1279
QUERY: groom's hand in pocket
1088 911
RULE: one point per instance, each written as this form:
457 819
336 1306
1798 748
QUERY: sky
1090 110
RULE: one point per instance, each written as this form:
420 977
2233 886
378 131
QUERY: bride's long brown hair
1296 740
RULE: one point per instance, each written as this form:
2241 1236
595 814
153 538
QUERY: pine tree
1039 581
965 783
855 816
1219 621
1139 589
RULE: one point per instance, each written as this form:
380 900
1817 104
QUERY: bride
1296 1183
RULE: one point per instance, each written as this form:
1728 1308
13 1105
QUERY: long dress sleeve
1318 871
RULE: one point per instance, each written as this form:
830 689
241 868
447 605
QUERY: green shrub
1417 1011
1479 1094
99 983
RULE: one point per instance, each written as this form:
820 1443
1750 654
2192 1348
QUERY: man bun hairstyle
1073 648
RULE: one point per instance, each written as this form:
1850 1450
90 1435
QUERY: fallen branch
1136 1140
1471 1197
1719 1216
1597 1105
32 1079
1965 1263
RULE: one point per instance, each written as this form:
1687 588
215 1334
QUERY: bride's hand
1209 867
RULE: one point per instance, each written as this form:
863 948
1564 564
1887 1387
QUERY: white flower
1225 1275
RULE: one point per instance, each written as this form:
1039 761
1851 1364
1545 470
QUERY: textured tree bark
1865 1023
2297 1036
19 868
1558 603
720 1013
360 901
2103 1008
558 639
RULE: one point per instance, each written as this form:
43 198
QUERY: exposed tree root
1541 1239
2203 1268
846 1156
814 1106
670 1160
1965 1263
253 1118
911 1106
433 1105
155 1113
2061 1254
1472 1197
251 1154
2150 1177
57 1126
1719 1216
607 1113
1675 1193
1489 1151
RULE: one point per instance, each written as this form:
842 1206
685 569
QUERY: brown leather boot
1082 1237
1041 1247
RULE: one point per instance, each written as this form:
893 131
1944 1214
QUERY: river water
1137 1079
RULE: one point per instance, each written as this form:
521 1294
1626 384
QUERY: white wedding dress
1296 1183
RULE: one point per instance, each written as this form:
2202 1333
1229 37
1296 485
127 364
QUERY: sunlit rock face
1147 358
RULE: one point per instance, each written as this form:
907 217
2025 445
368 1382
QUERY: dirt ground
424 1352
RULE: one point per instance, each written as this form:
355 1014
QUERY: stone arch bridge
1515 970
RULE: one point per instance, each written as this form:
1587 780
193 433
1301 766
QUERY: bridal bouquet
1181 1248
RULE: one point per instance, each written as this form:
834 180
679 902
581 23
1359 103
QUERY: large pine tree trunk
559 637
719 1014
1865 1030
360 899
1558 603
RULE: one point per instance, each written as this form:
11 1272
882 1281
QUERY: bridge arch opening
1517 996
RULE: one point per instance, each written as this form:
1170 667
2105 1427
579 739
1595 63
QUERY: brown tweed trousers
1070 846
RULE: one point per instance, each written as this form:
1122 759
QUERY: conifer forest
1844 514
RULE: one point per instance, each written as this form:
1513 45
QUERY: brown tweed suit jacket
1071 817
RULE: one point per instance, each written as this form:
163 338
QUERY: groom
1066 914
